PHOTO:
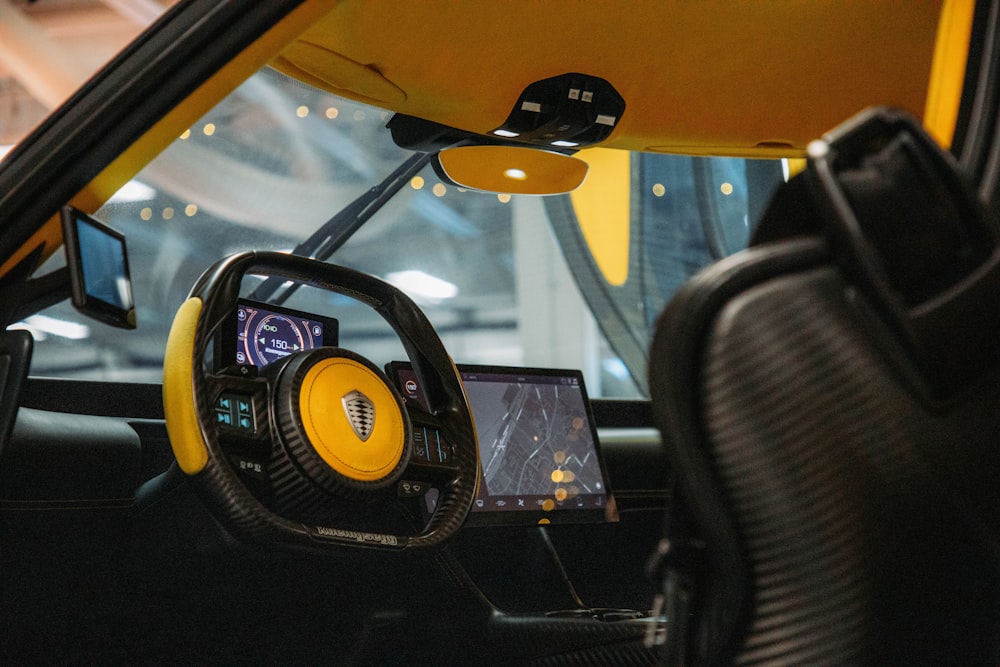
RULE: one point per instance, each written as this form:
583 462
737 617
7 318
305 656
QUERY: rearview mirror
511 170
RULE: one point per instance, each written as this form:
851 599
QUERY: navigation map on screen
537 442
535 439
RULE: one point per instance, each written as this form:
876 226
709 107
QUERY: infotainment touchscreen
263 333
539 452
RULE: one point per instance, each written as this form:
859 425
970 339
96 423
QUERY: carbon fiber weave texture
825 461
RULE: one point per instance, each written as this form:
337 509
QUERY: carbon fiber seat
830 399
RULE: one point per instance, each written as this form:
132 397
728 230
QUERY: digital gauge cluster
266 333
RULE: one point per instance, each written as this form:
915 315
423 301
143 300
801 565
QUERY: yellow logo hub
331 391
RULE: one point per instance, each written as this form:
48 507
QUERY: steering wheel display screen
266 333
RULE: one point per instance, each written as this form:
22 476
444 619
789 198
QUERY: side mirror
97 261
511 169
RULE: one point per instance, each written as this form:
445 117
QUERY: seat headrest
909 232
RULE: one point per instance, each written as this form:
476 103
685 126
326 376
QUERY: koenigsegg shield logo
360 413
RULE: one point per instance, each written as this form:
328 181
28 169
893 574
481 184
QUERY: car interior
434 333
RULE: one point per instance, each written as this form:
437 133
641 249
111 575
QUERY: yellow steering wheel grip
183 425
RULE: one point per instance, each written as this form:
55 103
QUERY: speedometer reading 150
274 337
264 335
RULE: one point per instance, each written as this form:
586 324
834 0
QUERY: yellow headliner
707 77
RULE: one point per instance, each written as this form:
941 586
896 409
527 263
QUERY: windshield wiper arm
337 230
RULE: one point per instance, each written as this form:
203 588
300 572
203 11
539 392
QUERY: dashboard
539 451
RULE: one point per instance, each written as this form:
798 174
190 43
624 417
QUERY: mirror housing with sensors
510 169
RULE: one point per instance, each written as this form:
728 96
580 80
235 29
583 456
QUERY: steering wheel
296 453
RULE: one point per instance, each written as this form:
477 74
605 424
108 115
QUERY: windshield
506 280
